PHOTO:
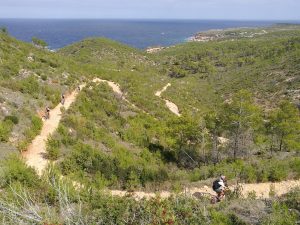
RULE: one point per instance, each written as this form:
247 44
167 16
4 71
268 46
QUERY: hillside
267 65
237 100
30 79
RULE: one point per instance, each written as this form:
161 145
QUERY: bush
29 85
15 170
219 218
13 119
37 124
5 130
248 174
52 149
292 199
44 77
277 172
31 132
295 166
280 215
3 30
39 42
130 172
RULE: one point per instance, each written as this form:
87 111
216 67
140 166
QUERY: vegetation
238 101
3 30
38 42
51 201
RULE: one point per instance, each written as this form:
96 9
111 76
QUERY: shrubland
236 105
238 100
27 199
31 78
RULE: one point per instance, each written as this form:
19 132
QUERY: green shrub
35 128
132 182
295 166
5 130
13 119
3 30
52 94
219 218
280 215
278 172
44 77
52 148
261 174
39 42
130 171
36 124
15 170
31 132
29 85
248 174
292 199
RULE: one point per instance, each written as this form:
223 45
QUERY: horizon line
153 19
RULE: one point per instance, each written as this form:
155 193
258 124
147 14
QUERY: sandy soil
171 106
36 151
262 190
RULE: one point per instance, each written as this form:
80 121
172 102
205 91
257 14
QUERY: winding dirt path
262 190
116 88
35 154
171 106
36 151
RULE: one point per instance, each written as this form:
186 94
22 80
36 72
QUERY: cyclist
219 186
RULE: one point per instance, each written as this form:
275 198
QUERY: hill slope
236 102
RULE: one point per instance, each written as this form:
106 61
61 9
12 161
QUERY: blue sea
137 33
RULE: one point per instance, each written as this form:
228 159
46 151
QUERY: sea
136 33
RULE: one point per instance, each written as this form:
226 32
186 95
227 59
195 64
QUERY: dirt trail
261 190
116 88
35 153
171 106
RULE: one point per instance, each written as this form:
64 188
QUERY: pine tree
285 123
213 123
241 118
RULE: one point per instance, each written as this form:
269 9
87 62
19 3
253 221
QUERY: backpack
216 185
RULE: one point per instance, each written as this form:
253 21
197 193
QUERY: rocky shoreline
225 34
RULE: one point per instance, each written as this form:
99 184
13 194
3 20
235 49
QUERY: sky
153 9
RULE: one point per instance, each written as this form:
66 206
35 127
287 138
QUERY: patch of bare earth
36 152
262 190
171 106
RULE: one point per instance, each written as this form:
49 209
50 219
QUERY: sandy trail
171 106
116 88
35 154
261 190
36 151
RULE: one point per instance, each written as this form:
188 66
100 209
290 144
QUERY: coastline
135 33
238 32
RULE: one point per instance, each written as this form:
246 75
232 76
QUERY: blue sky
147 9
